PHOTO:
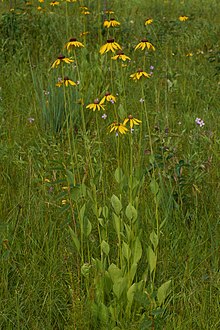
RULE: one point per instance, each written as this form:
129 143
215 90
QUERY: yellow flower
41 1
189 54
111 23
132 121
122 56
82 34
183 18
145 44
118 128
109 98
66 82
85 12
148 21
110 45
96 105
54 3
109 11
140 73
61 59
39 8
73 43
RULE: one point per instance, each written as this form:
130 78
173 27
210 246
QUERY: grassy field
110 165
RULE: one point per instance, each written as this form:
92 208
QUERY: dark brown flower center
140 70
72 39
109 41
144 40
96 101
130 117
66 78
112 19
61 57
120 52
107 93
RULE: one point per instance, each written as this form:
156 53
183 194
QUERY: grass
100 231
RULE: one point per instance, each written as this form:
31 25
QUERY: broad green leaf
105 247
101 221
85 269
116 204
132 272
82 212
163 292
75 239
119 286
105 212
154 239
118 175
117 224
114 272
87 227
152 259
154 186
131 212
126 251
129 233
137 251
130 293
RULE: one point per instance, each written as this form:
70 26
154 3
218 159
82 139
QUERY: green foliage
102 230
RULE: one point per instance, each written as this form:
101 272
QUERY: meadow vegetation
109 162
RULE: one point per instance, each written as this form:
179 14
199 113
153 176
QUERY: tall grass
103 230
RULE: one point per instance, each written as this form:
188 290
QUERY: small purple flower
199 122
151 67
104 116
112 101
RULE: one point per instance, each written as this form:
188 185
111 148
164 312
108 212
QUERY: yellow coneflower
39 8
121 56
111 45
140 73
183 18
61 59
132 121
108 97
111 23
85 12
83 34
73 43
41 1
144 44
54 3
96 105
109 12
148 21
118 128
66 82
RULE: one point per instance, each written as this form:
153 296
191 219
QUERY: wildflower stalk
83 122
156 212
